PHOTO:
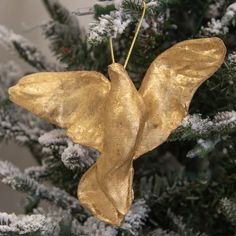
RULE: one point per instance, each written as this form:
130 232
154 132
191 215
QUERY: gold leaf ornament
115 118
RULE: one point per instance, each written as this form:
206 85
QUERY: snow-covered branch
117 21
24 48
73 156
228 208
108 25
10 72
194 127
13 177
37 224
221 26
19 124
135 219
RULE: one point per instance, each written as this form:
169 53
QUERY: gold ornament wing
71 100
170 83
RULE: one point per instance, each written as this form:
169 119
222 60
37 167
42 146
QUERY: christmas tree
186 186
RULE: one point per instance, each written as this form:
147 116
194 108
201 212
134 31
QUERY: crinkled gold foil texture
121 122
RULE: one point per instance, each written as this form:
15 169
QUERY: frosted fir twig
93 226
65 34
39 173
19 125
180 227
59 13
24 48
72 155
162 232
10 224
63 220
10 72
135 218
115 24
232 58
108 25
202 148
134 221
229 17
12 176
228 208
78 156
221 26
215 8
194 127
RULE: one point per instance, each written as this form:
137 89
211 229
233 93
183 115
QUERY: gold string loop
112 50
134 40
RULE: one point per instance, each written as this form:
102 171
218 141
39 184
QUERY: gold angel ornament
115 118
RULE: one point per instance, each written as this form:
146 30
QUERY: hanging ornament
115 118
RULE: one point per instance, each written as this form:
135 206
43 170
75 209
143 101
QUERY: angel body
121 122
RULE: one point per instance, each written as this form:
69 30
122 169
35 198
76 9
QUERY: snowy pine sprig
162 232
19 125
10 72
37 224
108 26
24 48
13 177
202 148
61 219
180 227
64 34
228 208
115 23
72 155
221 26
194 127
93 226
133 223
232 58
136 217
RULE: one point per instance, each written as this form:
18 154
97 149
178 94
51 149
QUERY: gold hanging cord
112 51
134 40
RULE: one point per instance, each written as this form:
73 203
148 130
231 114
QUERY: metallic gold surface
121 122
106 188
170 83
71 100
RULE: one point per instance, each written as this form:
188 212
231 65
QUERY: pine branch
12 176
22 127
10 72
59 13
194 127
19 125
228 208
202 148
136 217
221 26
162 232
67 41
117 21
25 49
93 226
73 156
180 227
65 222
152 186
108 26
37 224
154 7
133 223
62 161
